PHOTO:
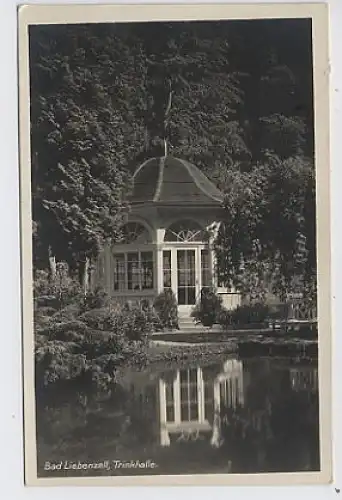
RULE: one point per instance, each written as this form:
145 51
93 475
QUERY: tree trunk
84 275
52 264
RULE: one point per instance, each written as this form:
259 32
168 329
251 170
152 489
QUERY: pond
229 416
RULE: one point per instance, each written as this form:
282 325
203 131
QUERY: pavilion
168 238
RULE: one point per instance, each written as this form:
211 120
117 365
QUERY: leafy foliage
208 310
266 241
255 314
189 77
237 102
85 338
166 307
81 86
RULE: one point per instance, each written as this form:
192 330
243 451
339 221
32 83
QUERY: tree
276 81
268 233
105 97
192 94
83 136
266 239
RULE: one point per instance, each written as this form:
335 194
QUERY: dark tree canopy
84 133
233 97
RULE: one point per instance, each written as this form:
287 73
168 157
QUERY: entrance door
186 279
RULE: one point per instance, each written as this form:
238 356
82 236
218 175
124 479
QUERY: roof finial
167 116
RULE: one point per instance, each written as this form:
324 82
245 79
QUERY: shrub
151 315
244 315
136 322
68 313
86 338
55 300
66 330
129 322
278 311
90 345
224 318
99 319
208 309
42 316
166 307
95 300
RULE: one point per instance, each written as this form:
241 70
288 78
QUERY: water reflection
304 379
255 415
190 401
196 403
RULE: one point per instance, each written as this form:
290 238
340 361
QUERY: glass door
186 277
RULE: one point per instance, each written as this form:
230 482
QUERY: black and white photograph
171 220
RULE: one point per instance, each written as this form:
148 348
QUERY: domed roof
169 180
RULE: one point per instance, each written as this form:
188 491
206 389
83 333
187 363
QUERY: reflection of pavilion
190 403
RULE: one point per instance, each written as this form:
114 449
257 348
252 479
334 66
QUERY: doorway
185 271
186 279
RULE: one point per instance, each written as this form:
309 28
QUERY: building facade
168 238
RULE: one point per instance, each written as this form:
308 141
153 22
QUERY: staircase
187 323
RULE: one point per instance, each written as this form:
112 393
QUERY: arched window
134 232
184 232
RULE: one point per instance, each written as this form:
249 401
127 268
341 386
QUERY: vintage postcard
174 164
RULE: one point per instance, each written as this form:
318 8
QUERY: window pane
205 279
181 296
190 258
167 259
133 271
191 296
140 271
147 270
134 232
167 279
205 259
167 268
119 272
205 268
192 277
146 256
181 259
182 277
133 257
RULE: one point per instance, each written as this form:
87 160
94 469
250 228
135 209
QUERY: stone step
188 323
185 319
